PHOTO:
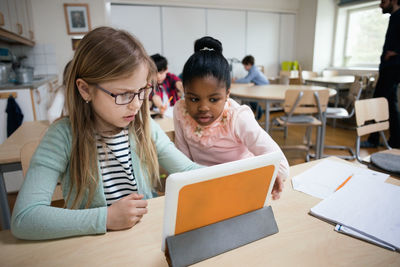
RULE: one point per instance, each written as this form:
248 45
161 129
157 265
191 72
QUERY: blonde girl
106 153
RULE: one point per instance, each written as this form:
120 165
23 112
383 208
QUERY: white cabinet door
4 16
30 20
24 101
181 27
12 13
132 18
263 40
229 27
22 17
287 37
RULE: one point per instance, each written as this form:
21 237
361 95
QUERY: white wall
306 19
324 32
50 26
259 5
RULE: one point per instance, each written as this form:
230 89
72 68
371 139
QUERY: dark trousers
387 87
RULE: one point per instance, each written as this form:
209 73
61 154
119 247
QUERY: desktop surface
302 240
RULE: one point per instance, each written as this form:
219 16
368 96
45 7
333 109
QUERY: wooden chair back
330 73
305 101
375 110
27 152
354 94
307 74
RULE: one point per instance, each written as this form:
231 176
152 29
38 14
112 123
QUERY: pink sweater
234 135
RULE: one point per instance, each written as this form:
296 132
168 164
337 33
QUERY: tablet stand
208 241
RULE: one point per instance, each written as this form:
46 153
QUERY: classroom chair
330 73
304 108
372 115
344 114
27 151
307 74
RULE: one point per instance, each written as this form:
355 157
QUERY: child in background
255 76
56 110
210 127
169 89
106 153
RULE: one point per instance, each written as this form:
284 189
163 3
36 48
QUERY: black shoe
368 144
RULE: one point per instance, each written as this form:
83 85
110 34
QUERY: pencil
169 100
345 181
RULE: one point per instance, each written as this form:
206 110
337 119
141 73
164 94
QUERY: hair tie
207 49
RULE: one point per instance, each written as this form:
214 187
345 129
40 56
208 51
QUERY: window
360 35
365 36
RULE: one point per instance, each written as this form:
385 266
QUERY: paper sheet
367 206
343 229
325 177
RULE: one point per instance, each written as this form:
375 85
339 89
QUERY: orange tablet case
209 195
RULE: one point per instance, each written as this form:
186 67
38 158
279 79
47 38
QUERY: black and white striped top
116 166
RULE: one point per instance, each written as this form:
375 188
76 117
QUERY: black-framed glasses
126 98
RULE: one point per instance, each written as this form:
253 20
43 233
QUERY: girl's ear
228 94
84 89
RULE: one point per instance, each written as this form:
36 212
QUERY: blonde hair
105 54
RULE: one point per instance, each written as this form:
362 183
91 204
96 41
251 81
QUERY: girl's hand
277 189
126 212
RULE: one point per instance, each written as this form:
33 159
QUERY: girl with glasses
210 127
105 153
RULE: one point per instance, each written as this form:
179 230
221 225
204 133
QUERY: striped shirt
116 166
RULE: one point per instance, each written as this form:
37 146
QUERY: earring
87 101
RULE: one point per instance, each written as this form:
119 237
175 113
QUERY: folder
367 209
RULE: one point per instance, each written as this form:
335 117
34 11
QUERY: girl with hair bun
210 127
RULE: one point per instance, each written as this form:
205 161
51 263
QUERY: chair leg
318 143
384 140
358 151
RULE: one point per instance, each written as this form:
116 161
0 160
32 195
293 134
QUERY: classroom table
10 159
341 82
274 93
10 155
302 240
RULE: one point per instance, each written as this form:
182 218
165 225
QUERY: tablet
208 195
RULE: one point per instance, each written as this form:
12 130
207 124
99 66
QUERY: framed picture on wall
77 18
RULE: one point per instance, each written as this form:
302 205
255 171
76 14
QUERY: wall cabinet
16 24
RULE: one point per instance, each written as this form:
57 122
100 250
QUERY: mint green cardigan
33 218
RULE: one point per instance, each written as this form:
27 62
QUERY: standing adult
389 74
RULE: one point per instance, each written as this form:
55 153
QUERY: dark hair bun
208 43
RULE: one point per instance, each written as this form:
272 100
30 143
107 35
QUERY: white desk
341 82
272 93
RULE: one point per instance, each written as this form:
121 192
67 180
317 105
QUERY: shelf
11 37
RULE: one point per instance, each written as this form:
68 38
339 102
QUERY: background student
106 153
170 87
255 76
210 127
